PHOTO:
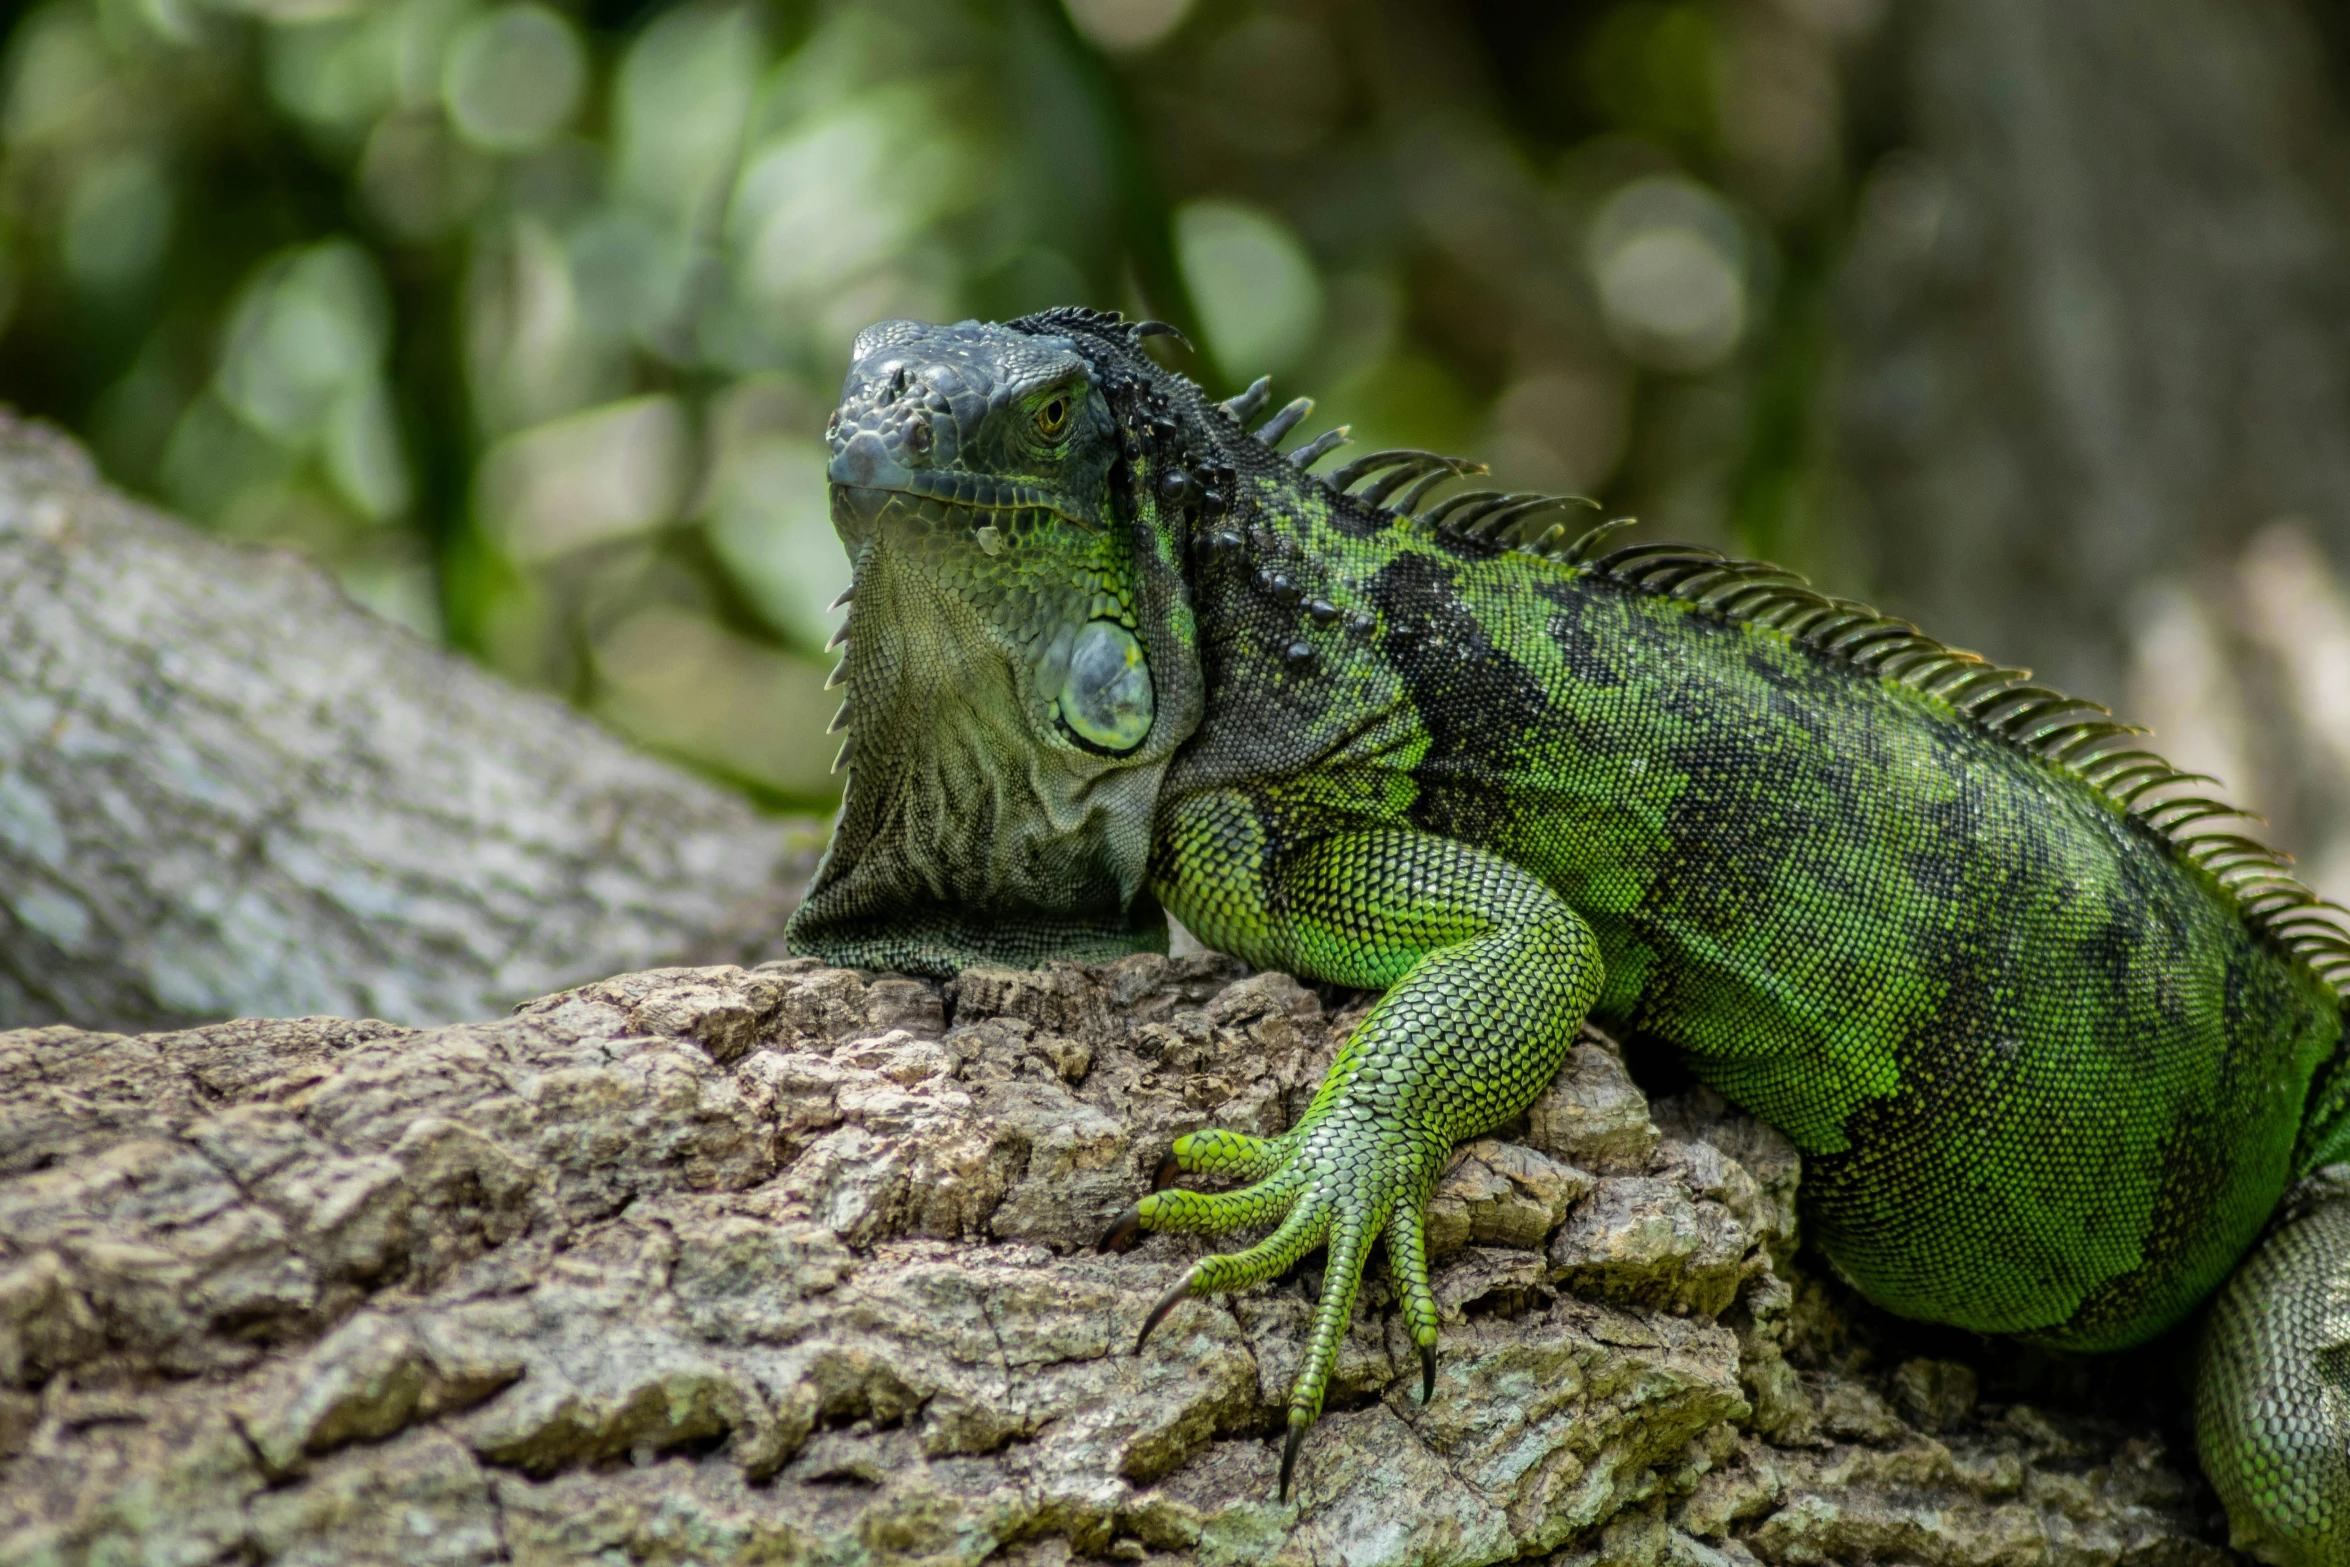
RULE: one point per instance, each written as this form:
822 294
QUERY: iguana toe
1236 1155
1212 1213
1407 1263
1343 1181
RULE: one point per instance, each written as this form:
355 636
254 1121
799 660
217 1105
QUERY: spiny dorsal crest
1485 516
2073 733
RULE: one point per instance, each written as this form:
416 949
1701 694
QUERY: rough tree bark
790 1265
225 789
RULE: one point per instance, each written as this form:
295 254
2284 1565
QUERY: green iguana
2053 1064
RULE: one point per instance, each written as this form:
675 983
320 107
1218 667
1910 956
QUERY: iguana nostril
918 438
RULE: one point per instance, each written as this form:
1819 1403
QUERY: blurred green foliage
524 318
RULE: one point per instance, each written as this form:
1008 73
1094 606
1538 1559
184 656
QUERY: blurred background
2031 323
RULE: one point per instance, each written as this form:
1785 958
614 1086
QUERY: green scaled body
2052 1068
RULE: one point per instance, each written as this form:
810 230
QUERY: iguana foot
1341 1177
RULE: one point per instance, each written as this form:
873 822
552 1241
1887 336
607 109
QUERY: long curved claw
1297 1439
1167 1303
1124 1233
1169 1168
1427 1372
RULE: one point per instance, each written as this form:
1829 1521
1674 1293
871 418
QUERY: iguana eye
1053 418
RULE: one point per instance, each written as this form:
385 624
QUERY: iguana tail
2272 1392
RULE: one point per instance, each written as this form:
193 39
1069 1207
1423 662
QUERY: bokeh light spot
595 476
675 680
1128 25
418 178
683 91
514 78
117 223
772 526
1668 259
309 328
1258 292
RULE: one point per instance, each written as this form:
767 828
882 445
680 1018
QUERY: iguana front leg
1487 974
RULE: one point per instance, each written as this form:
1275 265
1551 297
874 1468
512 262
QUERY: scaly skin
2272 1392
2051 1071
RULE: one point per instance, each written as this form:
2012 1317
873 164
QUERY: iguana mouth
867 491
859 513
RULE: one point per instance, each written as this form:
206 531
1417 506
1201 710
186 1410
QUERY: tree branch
226 789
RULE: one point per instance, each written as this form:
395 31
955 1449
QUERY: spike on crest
1509 521
1142 331
1275 429
1588 545
1322 446
1408 503
1441 514
1250 403
1379 461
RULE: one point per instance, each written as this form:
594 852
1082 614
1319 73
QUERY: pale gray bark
225 789
2097 315
791 1264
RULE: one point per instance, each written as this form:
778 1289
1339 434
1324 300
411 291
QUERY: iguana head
1020 660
